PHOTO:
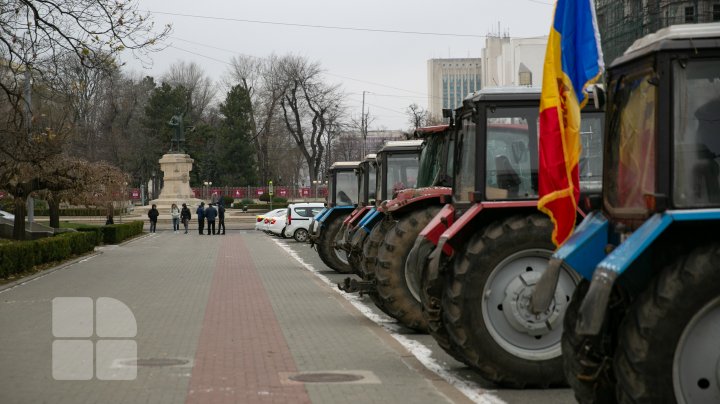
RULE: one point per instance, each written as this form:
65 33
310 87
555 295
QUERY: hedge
79 212
21 256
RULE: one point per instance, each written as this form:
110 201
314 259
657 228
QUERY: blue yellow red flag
573 61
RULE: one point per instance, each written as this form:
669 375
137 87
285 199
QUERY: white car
276 224
6 215
260 223
299 216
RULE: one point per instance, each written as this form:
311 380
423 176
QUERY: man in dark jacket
185 216
201 217
211 214
221 218
153 216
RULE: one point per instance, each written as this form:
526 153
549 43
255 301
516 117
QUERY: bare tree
309 105
417 116
201 90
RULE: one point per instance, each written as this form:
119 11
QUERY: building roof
347 165
401 145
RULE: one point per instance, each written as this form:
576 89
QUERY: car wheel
301 235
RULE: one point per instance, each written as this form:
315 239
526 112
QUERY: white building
450 81
513 61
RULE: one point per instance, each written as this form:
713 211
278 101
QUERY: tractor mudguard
357 216
437 226
581 252
409 196
594 305
370 220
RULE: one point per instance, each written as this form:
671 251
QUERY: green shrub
117 233
247 201
276 199
228 200
97 230
81 242
78 212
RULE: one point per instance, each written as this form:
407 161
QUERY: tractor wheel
486 304
301 235
354 256
587 359
668 347
332 257
399 286
431 287
370 249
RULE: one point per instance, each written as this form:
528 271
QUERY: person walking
211 214
153 215
201 217
185 216
175 215
221 218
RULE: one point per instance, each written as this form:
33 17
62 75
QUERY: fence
247 192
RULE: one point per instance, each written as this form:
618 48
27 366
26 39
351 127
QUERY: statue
179 135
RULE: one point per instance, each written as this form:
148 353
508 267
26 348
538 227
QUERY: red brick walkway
241 348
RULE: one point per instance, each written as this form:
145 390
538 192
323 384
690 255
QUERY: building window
716 12
689 14
525 78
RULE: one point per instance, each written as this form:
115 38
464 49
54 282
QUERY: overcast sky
391 67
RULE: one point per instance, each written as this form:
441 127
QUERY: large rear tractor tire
486 304
401 296
369 262
332 257
588 359
354 256
668 348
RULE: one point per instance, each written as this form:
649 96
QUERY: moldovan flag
573 61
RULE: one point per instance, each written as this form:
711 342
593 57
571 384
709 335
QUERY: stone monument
176 167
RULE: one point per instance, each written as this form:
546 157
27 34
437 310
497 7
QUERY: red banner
135 193
197 192
305 191
238 193
259 191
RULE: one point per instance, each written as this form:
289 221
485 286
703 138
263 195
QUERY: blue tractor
643 326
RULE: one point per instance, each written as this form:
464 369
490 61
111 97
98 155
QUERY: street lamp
316 183
207 189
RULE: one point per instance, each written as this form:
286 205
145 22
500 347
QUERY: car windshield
430 160
372 182
630 171
345 188
361 183
591 135
402 172
696 104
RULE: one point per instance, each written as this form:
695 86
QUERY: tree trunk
19 225
54 207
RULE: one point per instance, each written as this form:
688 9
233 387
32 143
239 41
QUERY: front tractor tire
398 286
486 304
332 257
668 348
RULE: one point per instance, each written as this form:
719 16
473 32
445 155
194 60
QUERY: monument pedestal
176 183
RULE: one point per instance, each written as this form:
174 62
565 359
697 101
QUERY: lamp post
316 183
207 184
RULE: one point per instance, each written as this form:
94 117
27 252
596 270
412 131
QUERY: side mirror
599 96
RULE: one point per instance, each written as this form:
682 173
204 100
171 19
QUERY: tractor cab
648 257
366 177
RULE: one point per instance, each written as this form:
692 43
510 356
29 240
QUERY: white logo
75 356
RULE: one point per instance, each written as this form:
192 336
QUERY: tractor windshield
430 160
345 188
696 99
591 131
372 179
511 163
361 183
464 182
630 171
402 172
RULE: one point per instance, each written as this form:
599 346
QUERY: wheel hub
516 306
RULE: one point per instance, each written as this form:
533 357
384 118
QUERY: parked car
260 220
6 215
299 216
276 224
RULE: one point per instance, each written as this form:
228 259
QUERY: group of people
209 213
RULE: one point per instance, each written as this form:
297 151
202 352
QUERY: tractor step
350 285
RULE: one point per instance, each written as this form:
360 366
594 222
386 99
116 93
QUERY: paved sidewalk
240 317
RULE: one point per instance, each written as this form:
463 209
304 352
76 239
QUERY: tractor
479 258
342 198
643 324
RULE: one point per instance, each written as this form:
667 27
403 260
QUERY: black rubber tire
325 245
431 292
301 235
390 270
650 332
587 359
369 259
355 257
463 296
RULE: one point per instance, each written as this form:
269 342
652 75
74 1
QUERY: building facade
450 81
513 61
621 22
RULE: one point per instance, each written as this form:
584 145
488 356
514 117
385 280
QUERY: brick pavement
239 308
